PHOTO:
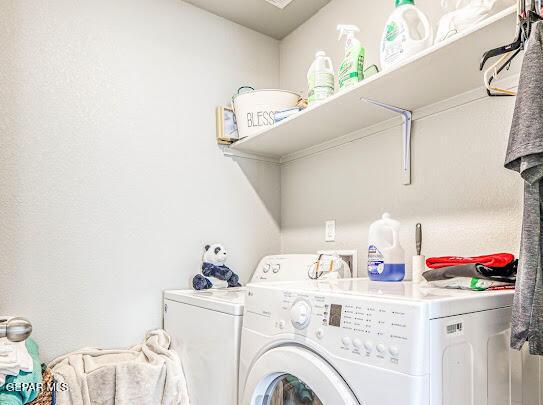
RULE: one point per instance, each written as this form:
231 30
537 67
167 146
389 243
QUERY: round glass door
290 390
292 375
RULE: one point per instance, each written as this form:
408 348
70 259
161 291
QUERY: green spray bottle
352 67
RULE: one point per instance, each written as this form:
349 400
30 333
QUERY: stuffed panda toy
213 266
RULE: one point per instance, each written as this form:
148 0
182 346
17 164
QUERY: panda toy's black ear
206 247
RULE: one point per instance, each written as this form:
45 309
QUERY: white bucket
255 109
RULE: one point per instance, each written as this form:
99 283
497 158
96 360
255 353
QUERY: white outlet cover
330 231
280 3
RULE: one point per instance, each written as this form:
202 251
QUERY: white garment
146 374
14 358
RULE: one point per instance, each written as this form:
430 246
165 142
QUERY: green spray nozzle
348 30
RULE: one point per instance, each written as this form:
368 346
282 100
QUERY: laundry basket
255 109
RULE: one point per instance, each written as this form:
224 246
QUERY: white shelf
442 71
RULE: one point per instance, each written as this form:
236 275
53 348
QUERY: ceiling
262 16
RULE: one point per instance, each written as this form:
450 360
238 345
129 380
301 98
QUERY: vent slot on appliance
280 3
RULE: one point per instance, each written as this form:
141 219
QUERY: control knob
300 313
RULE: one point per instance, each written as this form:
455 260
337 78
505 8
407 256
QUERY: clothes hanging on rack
525 155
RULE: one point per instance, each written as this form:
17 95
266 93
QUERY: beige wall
110 177
467 202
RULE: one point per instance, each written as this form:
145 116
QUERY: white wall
111 180
467 202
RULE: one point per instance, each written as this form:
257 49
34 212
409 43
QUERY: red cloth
495 260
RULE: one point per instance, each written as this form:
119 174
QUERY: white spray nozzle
347 30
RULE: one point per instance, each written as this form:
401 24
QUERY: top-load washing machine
205 327
357 342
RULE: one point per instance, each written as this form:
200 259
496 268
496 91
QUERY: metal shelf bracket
407 117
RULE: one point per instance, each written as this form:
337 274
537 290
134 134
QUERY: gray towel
525 155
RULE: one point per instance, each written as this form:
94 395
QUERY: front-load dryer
205 327
357 342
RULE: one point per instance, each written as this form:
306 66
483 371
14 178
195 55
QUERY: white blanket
147 374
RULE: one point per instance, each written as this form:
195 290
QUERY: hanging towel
147 374
494 260
525 155
23 388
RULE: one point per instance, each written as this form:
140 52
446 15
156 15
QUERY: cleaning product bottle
320 78
407 32
386 258
352 66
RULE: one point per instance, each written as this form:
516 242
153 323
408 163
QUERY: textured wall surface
110 177
467 202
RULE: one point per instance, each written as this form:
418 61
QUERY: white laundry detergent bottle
407 32
320 78
386 258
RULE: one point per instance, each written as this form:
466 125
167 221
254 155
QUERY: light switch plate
330 231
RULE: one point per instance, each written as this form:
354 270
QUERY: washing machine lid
293 374
229 301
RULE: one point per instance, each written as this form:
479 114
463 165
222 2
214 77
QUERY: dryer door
293 375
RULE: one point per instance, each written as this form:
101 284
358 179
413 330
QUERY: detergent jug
386 258
406 33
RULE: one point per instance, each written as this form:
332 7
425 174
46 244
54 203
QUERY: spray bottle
352 66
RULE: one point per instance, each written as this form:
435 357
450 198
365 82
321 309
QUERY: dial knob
300 314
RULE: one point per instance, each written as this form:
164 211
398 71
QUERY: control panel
384 333
284 268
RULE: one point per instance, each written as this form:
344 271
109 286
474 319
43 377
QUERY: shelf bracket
407 117
232 153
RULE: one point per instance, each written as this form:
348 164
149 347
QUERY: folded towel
467 283
23 388
147 374
505 274
494 260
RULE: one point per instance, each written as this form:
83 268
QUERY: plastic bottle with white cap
320 78
386 258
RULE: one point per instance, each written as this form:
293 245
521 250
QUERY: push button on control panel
357 343
319 333
381 348
394 351
346 341
266 268
368 345
276 268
